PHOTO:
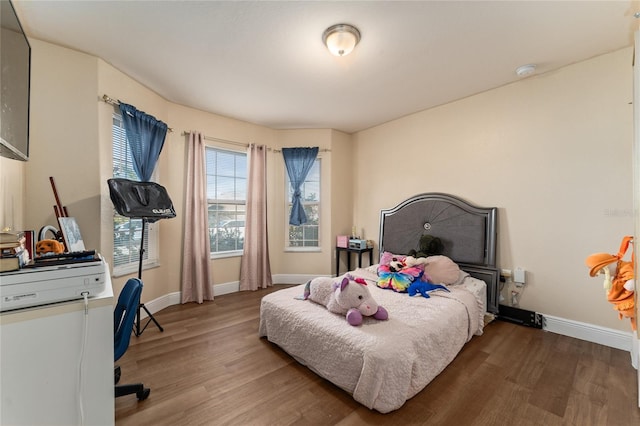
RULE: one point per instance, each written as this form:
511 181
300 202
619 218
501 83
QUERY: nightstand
349 252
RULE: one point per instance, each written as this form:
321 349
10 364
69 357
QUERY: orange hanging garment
622 298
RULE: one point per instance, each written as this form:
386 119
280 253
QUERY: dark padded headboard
468 233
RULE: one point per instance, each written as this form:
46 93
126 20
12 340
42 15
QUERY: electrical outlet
505 275
519 275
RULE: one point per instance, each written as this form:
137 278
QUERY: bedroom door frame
636 190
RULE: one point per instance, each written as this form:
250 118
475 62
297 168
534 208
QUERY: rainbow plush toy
397 276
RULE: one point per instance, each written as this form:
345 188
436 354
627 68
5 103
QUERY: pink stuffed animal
350 297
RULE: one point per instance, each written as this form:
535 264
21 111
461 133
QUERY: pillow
387 257
441 270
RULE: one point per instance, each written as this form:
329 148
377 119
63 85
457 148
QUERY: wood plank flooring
209 367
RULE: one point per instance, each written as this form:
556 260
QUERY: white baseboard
171 299
160 303
226 288
591 333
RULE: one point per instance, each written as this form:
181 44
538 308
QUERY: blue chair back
125 314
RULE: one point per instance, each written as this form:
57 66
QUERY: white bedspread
381 363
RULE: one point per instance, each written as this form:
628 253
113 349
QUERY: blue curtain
146 137
298 162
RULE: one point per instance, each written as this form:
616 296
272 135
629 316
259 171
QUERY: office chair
123 318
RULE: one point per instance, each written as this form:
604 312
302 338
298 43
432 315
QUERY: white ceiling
264 61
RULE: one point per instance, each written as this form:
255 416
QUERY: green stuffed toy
429 246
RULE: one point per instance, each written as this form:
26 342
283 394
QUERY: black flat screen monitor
15 62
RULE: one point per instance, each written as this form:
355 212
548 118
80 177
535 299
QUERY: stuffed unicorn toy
350 297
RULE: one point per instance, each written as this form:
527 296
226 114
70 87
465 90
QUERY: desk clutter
14 253
53 259
18 251
49 270
21 251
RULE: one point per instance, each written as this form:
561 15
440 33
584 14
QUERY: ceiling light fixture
525 70
340 39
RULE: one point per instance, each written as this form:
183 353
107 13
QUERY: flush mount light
525 70
340 39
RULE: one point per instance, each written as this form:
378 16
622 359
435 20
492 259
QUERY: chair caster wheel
143 394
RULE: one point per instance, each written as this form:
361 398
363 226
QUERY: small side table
349 251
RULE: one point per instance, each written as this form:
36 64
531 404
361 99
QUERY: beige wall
342 199
12 177
63 139
71 141
552 152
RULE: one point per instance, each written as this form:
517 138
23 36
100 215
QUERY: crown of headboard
468 232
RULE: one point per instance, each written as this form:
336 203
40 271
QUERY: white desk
41 364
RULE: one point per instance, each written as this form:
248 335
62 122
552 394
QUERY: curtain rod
320 150
212 139
109 100
243 144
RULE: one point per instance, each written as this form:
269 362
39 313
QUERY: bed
382 364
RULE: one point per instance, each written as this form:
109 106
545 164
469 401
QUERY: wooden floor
209 367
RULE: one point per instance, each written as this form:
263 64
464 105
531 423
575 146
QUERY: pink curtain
255 270
196 252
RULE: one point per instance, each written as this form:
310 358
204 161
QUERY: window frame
239 251
152 233
287 209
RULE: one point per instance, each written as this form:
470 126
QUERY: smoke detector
525 70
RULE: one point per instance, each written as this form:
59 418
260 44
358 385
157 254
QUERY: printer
43 285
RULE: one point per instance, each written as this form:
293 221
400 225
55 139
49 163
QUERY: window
226 199
127 233
306 235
